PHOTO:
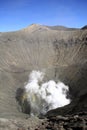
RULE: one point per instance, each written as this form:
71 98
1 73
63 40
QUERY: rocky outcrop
69 122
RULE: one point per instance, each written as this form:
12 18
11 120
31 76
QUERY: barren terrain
60 51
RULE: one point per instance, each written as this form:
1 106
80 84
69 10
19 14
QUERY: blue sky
17 14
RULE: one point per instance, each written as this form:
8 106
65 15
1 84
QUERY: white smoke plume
43 97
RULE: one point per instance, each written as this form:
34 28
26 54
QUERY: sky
18 14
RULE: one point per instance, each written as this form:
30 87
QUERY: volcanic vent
38 97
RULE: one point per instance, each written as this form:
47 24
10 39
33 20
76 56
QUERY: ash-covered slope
61 53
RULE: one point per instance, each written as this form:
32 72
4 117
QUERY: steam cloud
43 97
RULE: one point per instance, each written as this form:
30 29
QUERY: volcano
60 51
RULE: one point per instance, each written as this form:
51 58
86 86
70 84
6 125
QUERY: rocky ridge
76 121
